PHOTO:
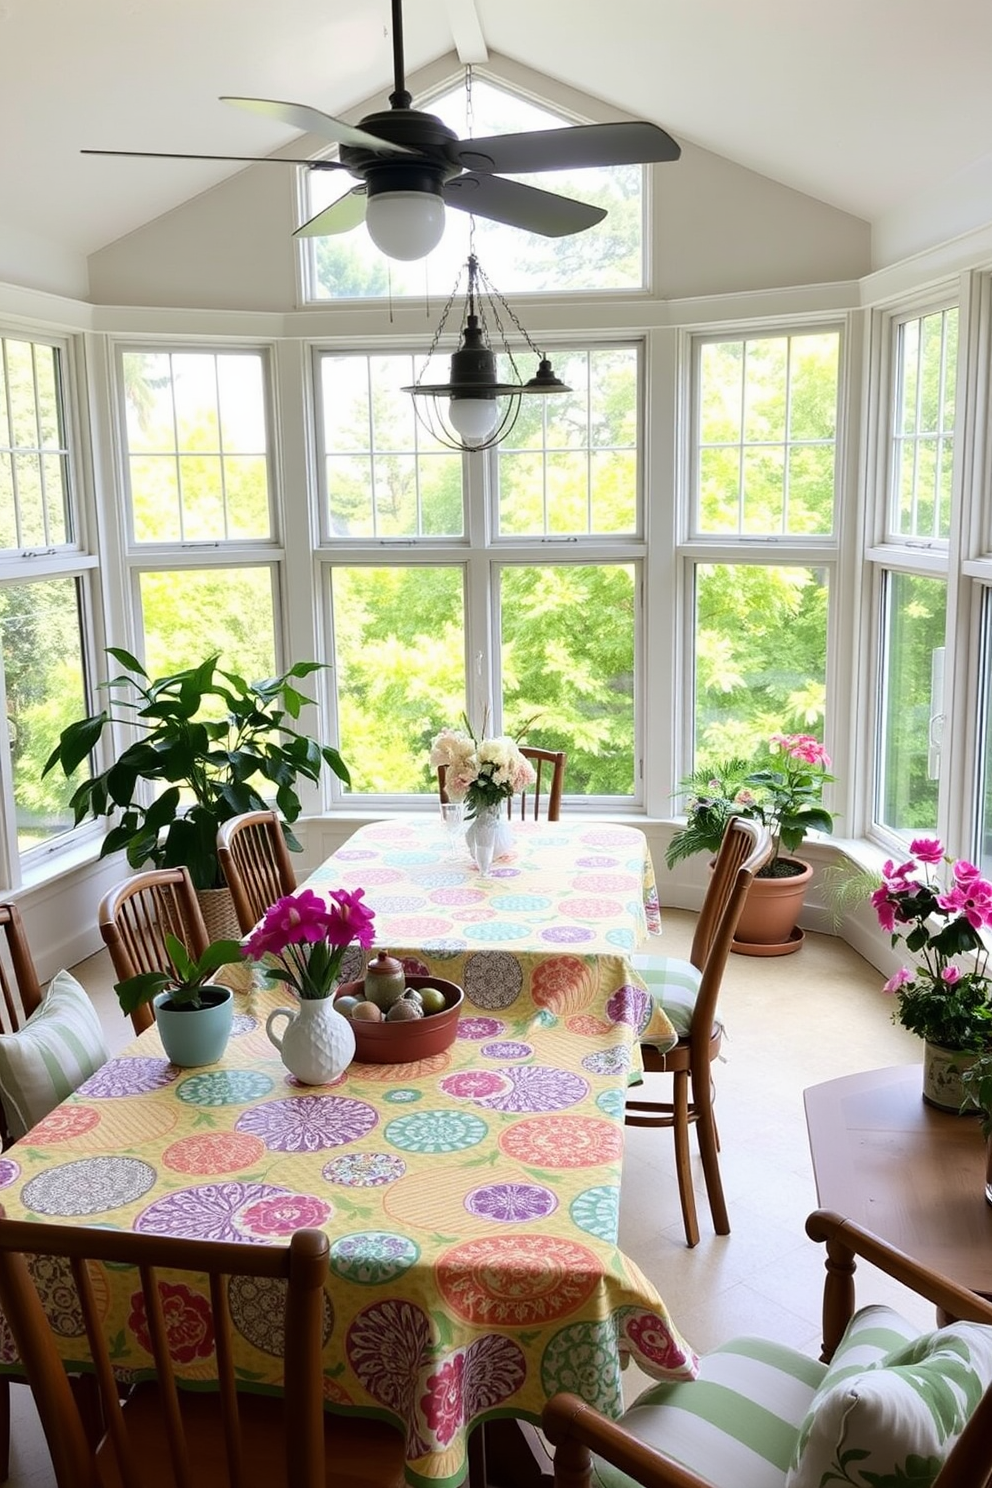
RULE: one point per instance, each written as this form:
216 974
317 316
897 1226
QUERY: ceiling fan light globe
474 419
405 224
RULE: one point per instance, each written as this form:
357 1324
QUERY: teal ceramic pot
193 1036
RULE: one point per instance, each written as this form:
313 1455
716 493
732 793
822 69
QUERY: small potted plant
945 997
210 743
781 786
193 1014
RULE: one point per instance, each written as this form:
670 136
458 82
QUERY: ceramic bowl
401 1043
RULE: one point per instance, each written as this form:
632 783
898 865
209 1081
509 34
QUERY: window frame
482 552
79 560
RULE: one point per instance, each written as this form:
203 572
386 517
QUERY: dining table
471 1198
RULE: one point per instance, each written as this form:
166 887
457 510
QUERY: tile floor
791 1022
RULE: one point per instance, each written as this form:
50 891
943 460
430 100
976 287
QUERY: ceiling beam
466 32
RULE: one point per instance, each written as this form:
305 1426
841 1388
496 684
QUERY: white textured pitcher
319 1042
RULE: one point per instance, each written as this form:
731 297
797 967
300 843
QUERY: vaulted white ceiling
860 103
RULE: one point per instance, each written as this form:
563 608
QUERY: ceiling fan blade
319 165
340 217
313 121
521 206
580 145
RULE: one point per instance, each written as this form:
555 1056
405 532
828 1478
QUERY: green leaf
77 742
126 660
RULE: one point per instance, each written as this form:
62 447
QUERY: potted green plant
782 787
210 741
945 997
192 1013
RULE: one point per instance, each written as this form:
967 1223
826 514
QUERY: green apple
433 999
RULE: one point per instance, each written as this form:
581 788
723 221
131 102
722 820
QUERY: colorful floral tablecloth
471 1199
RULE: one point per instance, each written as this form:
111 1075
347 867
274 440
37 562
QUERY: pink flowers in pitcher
940 999
308 933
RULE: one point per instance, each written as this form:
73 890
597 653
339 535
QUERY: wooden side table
908 1172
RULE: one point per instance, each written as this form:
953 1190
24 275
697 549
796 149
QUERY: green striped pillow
59 1047
674 985
736 1422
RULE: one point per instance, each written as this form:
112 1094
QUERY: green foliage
977 1083
185 979
219 761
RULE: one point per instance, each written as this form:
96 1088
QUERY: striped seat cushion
674 985
739 1422
735 1424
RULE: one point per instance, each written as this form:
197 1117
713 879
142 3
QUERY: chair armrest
574 1428
844 1240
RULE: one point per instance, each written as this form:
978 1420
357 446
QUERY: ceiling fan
410 166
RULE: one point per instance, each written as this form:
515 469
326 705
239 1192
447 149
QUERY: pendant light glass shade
473 418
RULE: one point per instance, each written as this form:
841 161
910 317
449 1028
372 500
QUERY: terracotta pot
942 1075
767 926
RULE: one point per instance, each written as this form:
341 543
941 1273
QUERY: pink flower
801 747
965 872
974 901
351 920
307 933
927 849
883 907
950 975
897 980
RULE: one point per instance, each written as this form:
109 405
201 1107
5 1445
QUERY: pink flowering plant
479 771
782 787
303 938
945 997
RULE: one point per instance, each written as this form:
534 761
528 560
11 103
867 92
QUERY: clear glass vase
488 836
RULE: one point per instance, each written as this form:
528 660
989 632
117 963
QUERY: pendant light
473 410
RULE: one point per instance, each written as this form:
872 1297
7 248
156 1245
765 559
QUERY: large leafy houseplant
781 786
210 741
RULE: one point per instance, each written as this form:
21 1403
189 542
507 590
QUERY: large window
762 539
44 597
201 529
912 701
912 571
608 256
504 583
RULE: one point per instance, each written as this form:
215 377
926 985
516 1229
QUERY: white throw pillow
59 1047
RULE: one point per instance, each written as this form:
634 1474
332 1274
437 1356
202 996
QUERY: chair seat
674 986
736 1423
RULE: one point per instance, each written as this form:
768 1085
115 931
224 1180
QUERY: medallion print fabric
471 1198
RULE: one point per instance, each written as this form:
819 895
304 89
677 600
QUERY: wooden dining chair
136 916
256 864
688 991
549 767
21 992
885 1405
161 1435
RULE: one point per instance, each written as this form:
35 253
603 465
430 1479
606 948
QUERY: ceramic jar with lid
385 980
